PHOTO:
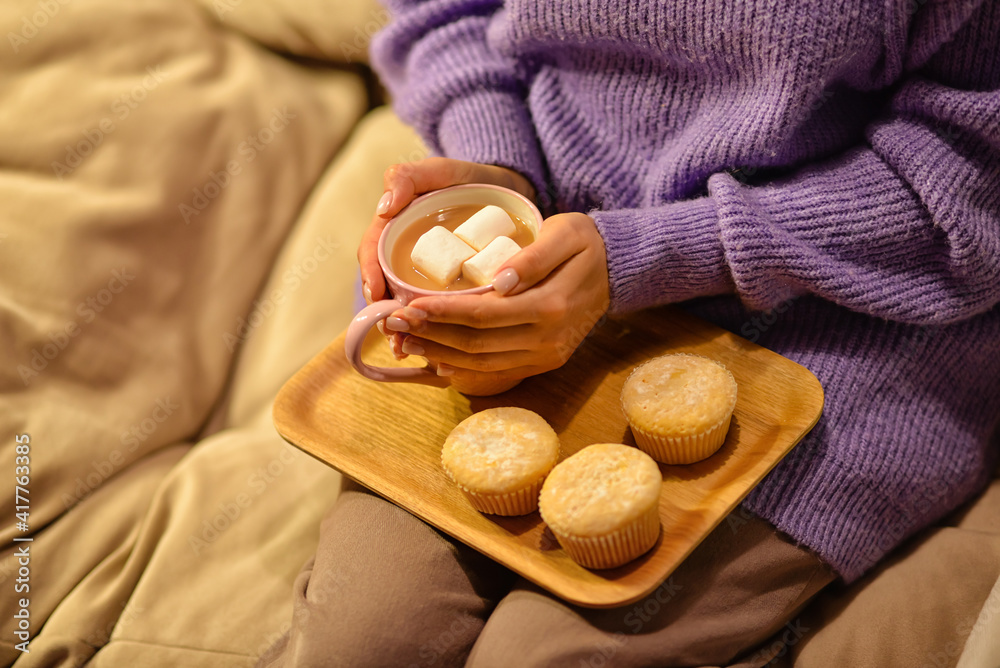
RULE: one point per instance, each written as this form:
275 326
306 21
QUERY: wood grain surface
388 437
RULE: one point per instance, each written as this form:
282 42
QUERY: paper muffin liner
682 449
616 548
520 502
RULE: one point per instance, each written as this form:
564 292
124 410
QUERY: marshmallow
484 226
439 254
483 266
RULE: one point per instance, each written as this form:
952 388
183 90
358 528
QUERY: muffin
679 407
602 504
499 457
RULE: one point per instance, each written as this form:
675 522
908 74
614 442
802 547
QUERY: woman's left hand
546 299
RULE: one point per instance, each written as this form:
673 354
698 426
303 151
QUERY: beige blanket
156 156
180 216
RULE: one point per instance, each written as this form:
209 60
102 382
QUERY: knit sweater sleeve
905 226
464 97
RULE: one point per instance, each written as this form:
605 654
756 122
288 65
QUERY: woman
833 165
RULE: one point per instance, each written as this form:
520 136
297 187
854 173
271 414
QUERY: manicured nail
443 370
414 313
397 350
411 347
384 203
505 281
367 290
394 324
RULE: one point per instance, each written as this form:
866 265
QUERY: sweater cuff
870 522
663 255
494 128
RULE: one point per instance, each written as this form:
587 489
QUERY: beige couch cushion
918 608
337 31
232 524
187 558
153 165
312 293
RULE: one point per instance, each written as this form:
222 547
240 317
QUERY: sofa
184 185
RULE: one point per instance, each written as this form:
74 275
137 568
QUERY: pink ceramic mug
403 293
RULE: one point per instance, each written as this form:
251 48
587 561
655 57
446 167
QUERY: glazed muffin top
600 489
500 450
679 394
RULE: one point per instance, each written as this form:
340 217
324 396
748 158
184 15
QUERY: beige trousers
386 589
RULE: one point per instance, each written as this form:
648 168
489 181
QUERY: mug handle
356 333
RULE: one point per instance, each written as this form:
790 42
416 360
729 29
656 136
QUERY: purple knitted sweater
820 177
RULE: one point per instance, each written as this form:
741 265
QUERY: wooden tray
388 437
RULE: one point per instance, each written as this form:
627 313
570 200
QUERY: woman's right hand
404 182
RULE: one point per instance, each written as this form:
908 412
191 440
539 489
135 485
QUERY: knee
390 640
384 589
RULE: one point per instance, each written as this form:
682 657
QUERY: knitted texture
822 178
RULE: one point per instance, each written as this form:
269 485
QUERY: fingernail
384 203
505 281
381 328
394 324
414 313
367 290
397 350
443 370
411 347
